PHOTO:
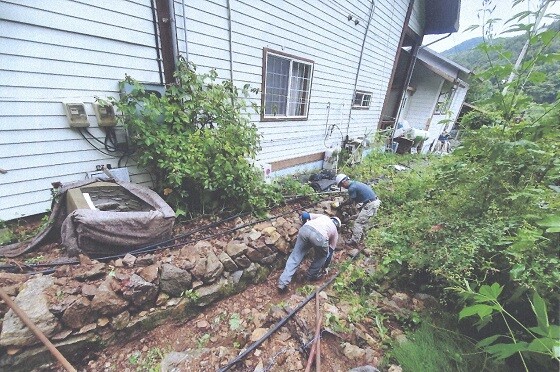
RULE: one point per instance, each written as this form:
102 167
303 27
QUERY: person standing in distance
366 200
319 232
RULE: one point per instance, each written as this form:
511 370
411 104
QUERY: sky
468 17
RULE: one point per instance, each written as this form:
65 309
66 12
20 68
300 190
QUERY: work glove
305 217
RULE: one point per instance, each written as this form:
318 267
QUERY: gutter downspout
372 7
230 42
156 36
168 38
173 26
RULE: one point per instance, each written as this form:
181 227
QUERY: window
445 98
287 86
361 100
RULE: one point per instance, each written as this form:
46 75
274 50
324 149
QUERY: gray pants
307 237
363 220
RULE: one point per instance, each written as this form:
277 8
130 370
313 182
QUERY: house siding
315 30
55 51
63 50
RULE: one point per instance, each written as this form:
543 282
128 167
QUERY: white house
433 96
324 68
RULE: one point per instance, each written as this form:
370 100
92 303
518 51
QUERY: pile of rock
96 303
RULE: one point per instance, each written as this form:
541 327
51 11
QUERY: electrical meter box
105 115
76 113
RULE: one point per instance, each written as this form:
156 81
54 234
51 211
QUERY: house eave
442 16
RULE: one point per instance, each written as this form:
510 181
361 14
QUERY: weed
34 260
190 294
234 322
202 341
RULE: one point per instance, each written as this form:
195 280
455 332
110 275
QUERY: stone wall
95 304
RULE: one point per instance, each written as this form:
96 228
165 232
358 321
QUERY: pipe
277 326
230 42
360 63
319 318
316 348
173 24
156 36
185 31
36 331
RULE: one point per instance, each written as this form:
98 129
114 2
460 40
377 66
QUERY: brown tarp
95 232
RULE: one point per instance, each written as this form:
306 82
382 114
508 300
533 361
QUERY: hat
339 178
336 222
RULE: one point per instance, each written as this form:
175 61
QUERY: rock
352 351
121 320
150 273
364 369
145 260
85 260
174 280
272 238
401 299
102 322
78 313
87 328
255 255
106 301
394 368
235 249
229 264
353 252
254 235
9 279
89 290
199 269
61 335
282 245
33 301
208 294
428 300
243 261
90 272
139 292
128 260
214 268
257 334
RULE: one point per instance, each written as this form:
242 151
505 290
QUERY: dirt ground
234 324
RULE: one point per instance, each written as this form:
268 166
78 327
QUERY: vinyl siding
310 29
55 51
61 50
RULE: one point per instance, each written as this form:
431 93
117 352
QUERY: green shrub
198 142
477 119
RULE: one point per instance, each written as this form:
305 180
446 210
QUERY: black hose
279 324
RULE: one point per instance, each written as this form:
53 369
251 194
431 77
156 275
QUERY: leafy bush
477 119
540 342
198 142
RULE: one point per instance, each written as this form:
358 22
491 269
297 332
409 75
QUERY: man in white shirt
319 232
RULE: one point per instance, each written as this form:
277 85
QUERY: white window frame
365 100
289 105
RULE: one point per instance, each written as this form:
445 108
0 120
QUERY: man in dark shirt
365 199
